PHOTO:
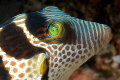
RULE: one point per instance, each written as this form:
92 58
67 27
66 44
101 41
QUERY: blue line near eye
50 40
42 31
59 40
44 37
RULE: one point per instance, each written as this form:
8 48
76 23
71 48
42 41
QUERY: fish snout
108 34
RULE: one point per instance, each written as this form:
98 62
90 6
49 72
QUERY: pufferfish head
49 44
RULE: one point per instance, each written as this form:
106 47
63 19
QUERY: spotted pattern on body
67 43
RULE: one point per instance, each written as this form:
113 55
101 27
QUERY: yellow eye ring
55 29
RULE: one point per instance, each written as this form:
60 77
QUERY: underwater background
103 66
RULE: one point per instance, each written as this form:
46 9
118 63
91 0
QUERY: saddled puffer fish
48 44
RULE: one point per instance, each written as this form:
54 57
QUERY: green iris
53 29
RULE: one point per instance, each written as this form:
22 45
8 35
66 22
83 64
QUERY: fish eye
54 29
